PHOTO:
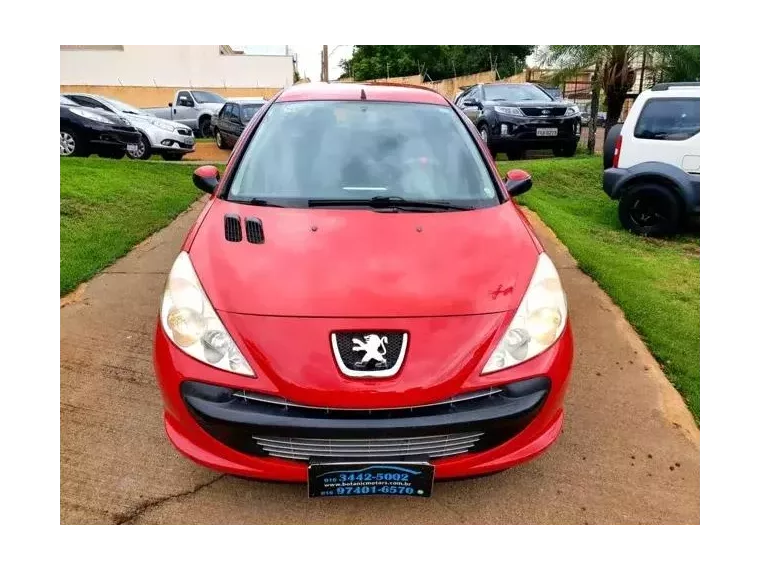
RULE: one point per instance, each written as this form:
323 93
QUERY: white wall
174 66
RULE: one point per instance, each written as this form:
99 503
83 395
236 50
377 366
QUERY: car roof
353 92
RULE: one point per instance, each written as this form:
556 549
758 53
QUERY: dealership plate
356 479
131 148
546 132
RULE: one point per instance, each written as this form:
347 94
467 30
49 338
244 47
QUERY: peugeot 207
361 305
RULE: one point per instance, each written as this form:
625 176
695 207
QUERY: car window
250 110
354 150
223 111
185 94
88 102
67 101
462 96
514 92
235 112
207 97
668 119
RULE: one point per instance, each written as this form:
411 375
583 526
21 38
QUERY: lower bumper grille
432 446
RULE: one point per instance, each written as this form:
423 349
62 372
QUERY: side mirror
471 103
518 182
171 104
206 178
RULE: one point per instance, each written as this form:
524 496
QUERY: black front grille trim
232 229
538 111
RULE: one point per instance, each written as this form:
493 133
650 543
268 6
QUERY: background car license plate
132 147
546 132
348 479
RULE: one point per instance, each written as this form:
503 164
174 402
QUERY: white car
170 139
652 160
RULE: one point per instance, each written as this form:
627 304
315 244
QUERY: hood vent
232 229
254 231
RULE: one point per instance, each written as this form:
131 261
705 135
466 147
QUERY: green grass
654 281
109 206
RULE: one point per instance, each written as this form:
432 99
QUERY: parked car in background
515 117
652 160
192 108
232 118
170 139
268 369
85 130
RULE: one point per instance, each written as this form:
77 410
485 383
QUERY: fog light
504 130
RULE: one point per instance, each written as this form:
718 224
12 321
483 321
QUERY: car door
236 123
184 109
472 103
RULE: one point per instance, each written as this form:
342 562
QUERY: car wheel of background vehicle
219 140
204 126
116 154
172 156
515 154
143 151
609 145
650 209
70 145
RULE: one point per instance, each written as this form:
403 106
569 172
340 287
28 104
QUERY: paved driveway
629 452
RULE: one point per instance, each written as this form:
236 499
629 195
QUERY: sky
310 57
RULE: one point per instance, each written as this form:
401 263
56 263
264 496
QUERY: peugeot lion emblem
373 354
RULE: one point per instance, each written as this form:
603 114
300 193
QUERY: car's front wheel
650 209
143 151
204 126
219 140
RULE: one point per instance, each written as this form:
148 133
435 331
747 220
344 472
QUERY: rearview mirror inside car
206 178
518 182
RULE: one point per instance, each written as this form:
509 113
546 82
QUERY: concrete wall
172 66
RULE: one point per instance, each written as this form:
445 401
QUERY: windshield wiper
389 202
255 202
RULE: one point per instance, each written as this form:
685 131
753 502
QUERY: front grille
539 111
371 353
432 446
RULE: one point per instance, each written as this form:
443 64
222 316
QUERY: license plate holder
547 132
370 478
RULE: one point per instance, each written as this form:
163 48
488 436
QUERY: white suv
652 160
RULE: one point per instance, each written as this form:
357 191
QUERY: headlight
509 111
572 110
538 322
91 115
162 125
191 323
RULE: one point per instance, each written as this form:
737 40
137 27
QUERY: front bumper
205 424
511 132
102 135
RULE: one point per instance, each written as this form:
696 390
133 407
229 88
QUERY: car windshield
514 93
207 97
124 108
249 110
359 151
67 101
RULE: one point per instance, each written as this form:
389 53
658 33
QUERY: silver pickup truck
192 108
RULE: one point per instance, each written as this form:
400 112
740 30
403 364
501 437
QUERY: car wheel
172 156
70 144
204 126
515 154
219 139
650 209
143 151
117 154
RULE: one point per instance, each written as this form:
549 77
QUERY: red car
361 305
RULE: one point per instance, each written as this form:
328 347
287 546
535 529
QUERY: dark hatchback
85 130
228 125
515 117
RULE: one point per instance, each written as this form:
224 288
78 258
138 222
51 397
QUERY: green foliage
679 63
434 62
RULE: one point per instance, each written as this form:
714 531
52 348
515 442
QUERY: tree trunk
595 88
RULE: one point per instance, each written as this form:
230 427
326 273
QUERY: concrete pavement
629 452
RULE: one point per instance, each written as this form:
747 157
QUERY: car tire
172 155
204 126
144 151
565 150
71 145
515 154
650 209
219 140
115 154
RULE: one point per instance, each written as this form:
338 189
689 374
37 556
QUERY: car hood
363 263
213 107
153 121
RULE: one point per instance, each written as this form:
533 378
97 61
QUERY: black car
515 117
228 125
85 130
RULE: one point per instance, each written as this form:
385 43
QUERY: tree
432 62
678 63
